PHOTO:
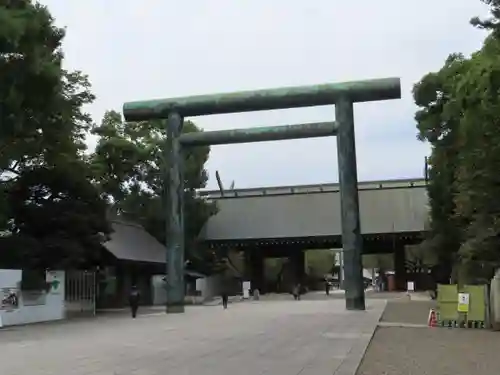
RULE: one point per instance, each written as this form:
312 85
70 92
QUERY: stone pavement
273 337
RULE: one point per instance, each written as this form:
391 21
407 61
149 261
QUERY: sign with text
463 302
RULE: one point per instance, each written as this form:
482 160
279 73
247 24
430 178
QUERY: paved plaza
272 337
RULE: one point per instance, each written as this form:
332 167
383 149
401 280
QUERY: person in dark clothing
225 298
134 300
296 292
327 287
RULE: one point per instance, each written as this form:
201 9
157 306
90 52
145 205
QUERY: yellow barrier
447 303
472 314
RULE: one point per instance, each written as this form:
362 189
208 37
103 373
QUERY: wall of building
382 210
31 307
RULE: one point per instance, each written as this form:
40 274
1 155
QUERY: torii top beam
260 100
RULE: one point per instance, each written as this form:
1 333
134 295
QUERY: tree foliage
40 102
437 125
458 116
129 165
62 212
43 173
53 197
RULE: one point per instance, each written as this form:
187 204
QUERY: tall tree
130 166
477 178
40 102
42 170
437 123
458 116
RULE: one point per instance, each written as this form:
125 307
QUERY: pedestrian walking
225 299
134 298
327 287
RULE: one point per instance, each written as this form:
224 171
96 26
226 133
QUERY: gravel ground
432 351
428 351
405 311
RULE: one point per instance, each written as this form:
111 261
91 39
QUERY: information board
463 302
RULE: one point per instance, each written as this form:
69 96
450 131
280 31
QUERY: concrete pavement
265 337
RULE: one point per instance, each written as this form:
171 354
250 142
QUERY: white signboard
200 283
463 302
410 286
54 279
246 289
463 298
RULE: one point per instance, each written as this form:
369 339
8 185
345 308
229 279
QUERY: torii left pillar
175 220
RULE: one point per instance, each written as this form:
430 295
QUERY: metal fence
80 293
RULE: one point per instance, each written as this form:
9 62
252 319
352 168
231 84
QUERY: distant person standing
134 298
225 299
378 283
296 292
382 280
256 294
327 287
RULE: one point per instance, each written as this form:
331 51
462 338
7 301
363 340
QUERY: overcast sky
136 50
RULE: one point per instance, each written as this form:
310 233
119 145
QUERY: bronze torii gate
342 95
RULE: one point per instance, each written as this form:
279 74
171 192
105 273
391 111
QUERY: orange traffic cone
432 320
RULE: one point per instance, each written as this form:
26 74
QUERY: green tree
477 178
458 116
490 23
39 102
129 166
437 123
62 212
42 132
